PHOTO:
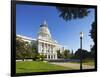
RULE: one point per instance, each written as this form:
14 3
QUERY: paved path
73 65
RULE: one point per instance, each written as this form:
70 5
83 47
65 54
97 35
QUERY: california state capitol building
45 44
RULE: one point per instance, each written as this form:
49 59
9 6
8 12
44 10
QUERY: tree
34 47
93 36
24 49
93 32
69 13
40 57
85 54
66 54
72 54
59 55
20 48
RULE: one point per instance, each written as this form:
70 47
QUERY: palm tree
69 13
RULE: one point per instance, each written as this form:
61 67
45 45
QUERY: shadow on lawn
35 69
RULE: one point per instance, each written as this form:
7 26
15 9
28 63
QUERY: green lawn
36 66
89 62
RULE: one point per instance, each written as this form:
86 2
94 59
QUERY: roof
24 37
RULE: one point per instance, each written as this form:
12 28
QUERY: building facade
45 44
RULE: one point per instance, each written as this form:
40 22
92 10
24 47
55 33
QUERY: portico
47 49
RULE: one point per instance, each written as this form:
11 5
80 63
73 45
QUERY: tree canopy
59 55
93 36
69 13
85 54
93 32
23 49
66 54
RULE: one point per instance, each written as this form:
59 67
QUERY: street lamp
81 37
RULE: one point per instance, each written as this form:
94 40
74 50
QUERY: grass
89 62
37 66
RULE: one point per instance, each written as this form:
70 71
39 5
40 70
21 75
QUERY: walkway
73 65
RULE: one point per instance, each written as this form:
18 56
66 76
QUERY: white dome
44 32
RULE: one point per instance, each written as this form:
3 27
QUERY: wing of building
44 42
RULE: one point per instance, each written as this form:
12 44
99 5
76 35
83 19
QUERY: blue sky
29 18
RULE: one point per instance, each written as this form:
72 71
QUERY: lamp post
81 37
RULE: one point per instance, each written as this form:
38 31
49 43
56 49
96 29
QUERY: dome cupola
44 32
44 24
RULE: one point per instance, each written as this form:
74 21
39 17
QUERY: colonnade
48 50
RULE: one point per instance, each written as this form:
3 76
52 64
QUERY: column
52 49
48 51
47 56
39 47
53 56
47 48
50 56
43 47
